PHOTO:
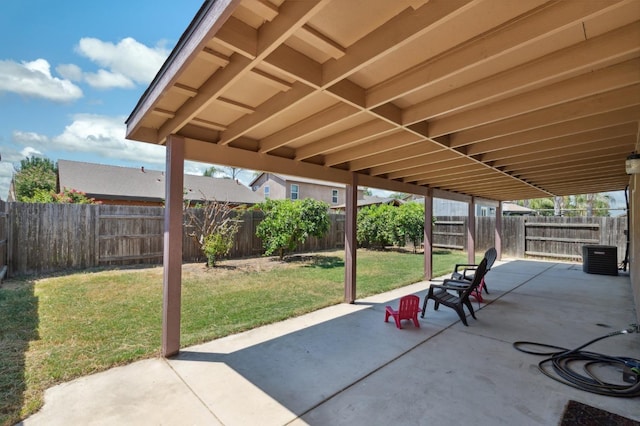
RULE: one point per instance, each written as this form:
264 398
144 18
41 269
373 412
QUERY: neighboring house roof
516 209
126 183
370 200
300 179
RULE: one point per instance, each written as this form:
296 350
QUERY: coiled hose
561 361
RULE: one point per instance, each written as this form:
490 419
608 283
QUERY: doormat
576 413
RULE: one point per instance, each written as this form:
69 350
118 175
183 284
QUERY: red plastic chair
408 310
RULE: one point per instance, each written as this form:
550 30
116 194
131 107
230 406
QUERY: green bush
288 223
410 223
215 245
377 226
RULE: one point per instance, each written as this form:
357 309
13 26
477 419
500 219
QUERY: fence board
4 239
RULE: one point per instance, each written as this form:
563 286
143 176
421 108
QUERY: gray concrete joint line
166 361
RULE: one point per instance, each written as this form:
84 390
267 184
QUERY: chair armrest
464 265
453 285
472 269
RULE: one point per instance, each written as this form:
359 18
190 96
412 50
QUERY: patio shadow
18 326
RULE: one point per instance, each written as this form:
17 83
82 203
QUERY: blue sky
71 72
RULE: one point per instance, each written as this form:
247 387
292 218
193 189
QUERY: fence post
471 232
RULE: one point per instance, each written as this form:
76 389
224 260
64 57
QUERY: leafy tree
543 206
213 225
571 205
398 195
377 226
227 172
210 172
36 176
288 223
410 223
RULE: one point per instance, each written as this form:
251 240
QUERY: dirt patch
258 264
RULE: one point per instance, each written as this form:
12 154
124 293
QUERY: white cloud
127 58
100 135
104 79
105 136
70 72
30 152
28 138
34 79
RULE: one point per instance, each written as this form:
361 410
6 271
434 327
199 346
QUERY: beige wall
280 189
317 192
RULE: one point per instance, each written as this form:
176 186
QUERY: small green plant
214 226
215 245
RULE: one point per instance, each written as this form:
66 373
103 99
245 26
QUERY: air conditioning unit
601 260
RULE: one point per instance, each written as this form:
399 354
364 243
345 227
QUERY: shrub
377 226
410 223
214 227
288 223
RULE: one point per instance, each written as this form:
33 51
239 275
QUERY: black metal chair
455 293
466 271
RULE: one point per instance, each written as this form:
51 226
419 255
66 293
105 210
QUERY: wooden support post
350 241
471 232
172 280
498 231
428 235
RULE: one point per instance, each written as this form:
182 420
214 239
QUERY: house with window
144 187
280 186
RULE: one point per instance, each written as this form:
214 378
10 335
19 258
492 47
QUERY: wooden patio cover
494 99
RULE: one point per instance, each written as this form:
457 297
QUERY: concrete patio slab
345 365
145 393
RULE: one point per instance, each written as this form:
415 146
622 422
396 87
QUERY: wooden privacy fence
539 236
52 237
4 239
44 238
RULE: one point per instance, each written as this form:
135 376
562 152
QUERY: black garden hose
561 369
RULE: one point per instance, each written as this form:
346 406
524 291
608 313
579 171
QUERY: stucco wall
281 189
317 192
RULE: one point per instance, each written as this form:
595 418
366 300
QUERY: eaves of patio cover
496 99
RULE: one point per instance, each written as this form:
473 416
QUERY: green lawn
59 328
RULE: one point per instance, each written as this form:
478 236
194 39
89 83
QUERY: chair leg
386 315
461 314
397 318
470 306
484 286
415 320
424 306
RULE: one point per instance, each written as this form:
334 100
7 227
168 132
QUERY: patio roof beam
380 164
556 66
617 145
579 141
583 86
315 123
581 108
380 145
540 22
392 35
558 130
575 164
346 138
